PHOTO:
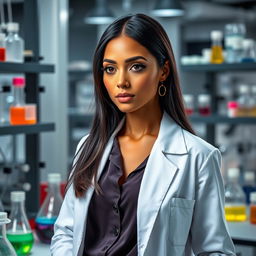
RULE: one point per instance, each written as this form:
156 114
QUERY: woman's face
131 75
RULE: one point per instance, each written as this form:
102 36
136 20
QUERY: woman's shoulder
198 145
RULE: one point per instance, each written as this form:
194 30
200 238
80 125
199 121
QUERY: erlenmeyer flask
49 210
18 231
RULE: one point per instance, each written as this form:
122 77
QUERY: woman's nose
123 81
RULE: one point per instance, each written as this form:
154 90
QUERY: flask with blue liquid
49 210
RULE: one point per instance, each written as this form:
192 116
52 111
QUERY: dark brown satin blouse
111 227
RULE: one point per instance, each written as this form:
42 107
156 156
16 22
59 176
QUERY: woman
142 182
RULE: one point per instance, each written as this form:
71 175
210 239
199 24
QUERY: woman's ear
165 70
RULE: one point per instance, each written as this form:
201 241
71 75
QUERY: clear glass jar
234 35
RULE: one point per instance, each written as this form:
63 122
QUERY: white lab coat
180 203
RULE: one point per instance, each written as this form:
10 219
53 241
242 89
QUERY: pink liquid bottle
49 210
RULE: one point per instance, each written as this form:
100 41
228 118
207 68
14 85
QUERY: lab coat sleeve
62 241
209 234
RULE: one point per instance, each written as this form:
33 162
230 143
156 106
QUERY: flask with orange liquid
235 206
21 113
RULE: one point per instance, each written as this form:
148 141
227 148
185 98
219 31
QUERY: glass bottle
21 113
189 104
248 53
216 49
4 90
6 249
253 110
204 104
2 47
253 208
235 207
14 43
244 100
49 210
18 231
234 35
249 184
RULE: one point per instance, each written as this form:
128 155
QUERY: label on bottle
30 112
235 42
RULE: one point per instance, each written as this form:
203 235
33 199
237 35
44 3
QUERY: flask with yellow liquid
216 50
235 202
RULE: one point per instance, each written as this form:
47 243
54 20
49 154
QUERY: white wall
53 46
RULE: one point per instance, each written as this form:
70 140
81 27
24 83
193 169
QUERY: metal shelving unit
211 70
30 67
31 70
220 67
26 129
217 119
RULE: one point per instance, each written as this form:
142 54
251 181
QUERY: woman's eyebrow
127 60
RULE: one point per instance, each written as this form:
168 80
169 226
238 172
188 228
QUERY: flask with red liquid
21 113
204 104
2 47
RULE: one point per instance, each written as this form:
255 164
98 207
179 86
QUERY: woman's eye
109 70
138 67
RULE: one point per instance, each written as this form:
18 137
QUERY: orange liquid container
253 214
20 115
253 207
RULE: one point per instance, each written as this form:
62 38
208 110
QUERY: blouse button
115 207
116 231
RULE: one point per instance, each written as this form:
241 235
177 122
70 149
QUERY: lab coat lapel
158 176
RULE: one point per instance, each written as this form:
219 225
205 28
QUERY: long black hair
149 33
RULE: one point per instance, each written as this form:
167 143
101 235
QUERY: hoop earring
163 88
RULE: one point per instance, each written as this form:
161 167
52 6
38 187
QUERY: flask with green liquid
18 231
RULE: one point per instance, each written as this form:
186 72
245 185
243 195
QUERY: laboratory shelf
247 66
218 119
29 67
26 129
243 233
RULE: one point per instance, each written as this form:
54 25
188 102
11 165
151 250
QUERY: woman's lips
124 97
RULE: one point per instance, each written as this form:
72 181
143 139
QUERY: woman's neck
142 122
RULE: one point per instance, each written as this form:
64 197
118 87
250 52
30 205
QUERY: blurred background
46 97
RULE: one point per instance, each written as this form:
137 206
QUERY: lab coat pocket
180 220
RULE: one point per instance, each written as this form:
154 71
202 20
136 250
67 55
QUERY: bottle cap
2 36
54 178
216 34
17 196
253 196
244 88
204 98
232 104
18 81
3 218
12 27
233 173
249 176
188 98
